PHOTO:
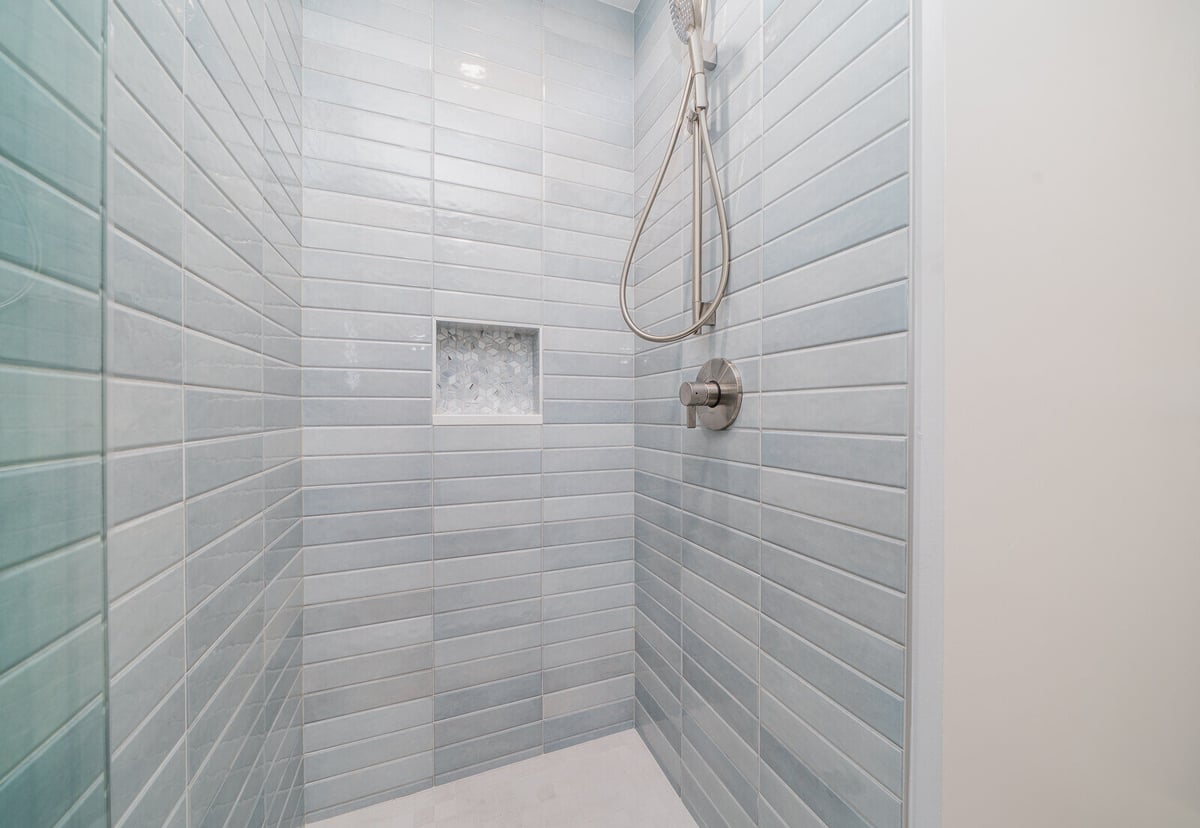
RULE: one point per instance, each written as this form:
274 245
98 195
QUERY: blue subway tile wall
203 412
771 558
414 602
52 639
468 588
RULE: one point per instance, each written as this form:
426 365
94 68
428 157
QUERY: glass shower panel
52 647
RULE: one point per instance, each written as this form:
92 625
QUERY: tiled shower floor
605 783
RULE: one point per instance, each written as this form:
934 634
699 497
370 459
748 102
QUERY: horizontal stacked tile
283 756
699 627
657 299
587 534
144 367
835 411
203 482
772 557
721 470
468 586
488 116
368 640
475 594
52 635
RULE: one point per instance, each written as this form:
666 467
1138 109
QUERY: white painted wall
1072 441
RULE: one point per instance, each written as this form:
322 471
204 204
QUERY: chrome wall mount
715 398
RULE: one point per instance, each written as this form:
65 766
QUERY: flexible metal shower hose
711 311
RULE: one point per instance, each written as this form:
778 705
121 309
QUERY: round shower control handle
715 397
700 393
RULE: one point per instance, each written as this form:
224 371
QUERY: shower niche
486 373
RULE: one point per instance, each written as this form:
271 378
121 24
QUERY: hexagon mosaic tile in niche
486 369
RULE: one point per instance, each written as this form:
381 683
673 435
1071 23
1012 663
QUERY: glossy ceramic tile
52 644
771 557
204 338
433 187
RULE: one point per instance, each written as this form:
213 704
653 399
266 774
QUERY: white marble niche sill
487 419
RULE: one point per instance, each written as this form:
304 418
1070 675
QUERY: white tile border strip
487 419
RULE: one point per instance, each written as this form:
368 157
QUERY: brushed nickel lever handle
696 394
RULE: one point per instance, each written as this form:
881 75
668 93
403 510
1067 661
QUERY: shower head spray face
683 16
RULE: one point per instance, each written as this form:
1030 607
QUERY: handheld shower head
683 16
688 18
